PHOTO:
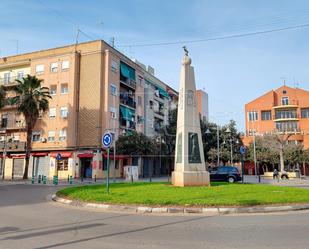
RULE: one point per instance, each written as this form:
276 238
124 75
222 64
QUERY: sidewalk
297 182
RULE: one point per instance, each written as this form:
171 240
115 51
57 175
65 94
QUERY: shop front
61 164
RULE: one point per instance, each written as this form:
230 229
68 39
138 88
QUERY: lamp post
228 131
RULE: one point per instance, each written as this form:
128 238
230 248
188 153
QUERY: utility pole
4 154
218 146
231 141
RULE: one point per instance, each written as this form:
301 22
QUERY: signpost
242 152
107 141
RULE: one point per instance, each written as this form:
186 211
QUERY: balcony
13 146
128 82
292 104
126 124
9 81
12 123
279 118
127 100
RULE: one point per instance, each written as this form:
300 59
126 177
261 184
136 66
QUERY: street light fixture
218 144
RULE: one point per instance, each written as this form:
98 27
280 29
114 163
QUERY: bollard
68 178
39 179
71 180
55 180
44 179
95 178
32 179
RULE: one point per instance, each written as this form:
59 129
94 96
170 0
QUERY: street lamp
228 131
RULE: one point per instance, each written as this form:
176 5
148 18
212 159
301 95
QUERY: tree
31 100
135 144
2 96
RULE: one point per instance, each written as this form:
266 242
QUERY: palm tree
2 96
31 100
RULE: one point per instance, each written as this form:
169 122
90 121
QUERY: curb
180 210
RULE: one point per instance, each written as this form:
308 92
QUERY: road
29 220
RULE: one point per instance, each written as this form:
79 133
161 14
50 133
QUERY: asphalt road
28 220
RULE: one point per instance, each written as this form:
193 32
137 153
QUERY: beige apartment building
94 89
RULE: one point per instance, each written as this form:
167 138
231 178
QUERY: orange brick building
284 110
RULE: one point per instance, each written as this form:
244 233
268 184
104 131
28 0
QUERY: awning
162 92
39 154
127 71
17 156
127 113
85 155
63 154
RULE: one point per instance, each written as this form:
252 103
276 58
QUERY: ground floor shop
64 164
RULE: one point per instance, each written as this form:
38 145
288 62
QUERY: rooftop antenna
112 42
283 79
76 39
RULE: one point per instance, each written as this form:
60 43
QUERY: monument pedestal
190 178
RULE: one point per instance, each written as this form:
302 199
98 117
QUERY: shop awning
63 154
85 155
39 154
17 156
127 113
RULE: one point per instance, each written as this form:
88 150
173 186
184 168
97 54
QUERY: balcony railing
128 101
13 146
286 116
12 124
9 81
128 82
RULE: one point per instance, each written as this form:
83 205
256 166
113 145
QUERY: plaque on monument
179 148
194 150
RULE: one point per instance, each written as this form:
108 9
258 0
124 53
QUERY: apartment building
202 104
281 111
94 89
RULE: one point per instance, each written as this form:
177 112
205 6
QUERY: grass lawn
158 194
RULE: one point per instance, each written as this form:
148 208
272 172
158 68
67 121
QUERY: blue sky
233 71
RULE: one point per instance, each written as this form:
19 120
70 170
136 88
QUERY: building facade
281 111
202 104
94 89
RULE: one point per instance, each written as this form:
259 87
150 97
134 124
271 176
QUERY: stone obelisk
189 159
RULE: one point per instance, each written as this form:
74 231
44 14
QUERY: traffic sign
58 157
242 150
107 140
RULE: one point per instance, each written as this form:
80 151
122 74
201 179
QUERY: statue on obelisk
190 167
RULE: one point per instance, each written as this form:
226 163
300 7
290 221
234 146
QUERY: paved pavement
28 220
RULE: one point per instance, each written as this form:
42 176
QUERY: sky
232 71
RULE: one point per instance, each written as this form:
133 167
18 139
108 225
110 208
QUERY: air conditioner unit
43 140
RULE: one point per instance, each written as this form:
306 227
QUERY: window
20 75
64 112
114 66
54 67
52 112
65 65
39 69
284 91
305 113
113 90
150 104
64 88
288 126
139 100
53 89
266 115
253 116
6 78
62 164
285 101
36 136
62 135
283 114
51 136
113 112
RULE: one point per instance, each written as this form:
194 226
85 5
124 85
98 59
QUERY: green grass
158 194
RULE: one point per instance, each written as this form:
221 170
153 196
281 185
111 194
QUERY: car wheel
231 179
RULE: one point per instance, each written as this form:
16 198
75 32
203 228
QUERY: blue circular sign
107 140
242 150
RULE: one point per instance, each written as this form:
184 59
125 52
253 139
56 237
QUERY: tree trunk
281 159
28 151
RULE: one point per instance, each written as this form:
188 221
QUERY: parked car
225 173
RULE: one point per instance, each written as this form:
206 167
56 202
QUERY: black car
225 173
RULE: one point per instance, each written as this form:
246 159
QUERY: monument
189 160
